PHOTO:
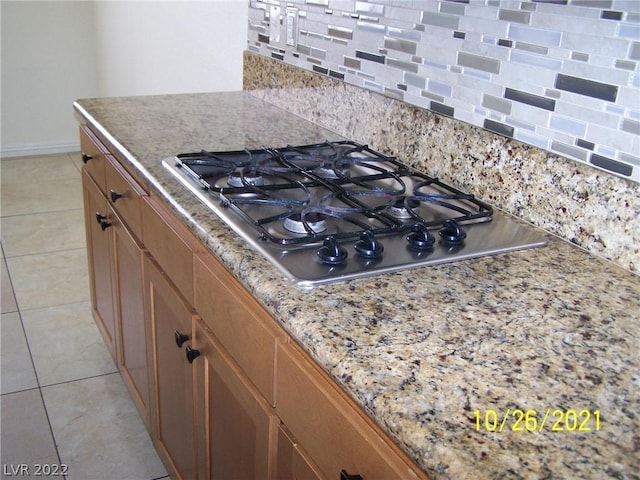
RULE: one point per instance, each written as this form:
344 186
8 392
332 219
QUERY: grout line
53 436
42 213
48 252
80 379
20 391
88 300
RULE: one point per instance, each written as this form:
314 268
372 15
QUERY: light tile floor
63 401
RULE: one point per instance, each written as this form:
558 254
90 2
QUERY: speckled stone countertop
422 350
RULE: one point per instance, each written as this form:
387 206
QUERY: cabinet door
134 332
292 463
172 428
237 429
100 257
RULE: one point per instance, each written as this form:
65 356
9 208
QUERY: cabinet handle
102 221
115 196
86 157
347 476
192 354
180 338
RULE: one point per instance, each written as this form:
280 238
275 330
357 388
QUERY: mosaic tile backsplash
584 205
560 75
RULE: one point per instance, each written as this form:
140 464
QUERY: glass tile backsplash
561 75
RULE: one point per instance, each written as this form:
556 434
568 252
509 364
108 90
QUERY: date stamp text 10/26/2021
552 420
34 470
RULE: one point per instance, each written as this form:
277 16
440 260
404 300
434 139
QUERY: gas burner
240 179
403 207
315 221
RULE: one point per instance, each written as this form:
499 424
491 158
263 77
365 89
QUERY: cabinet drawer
292 462
124 193
245 330
93 156
170 244
335 433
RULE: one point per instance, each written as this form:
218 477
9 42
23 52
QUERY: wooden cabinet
171 321
100 256
248 333
170 245
292 462
124 194
115 263
237 428
252 404
133 328
93 156
336 434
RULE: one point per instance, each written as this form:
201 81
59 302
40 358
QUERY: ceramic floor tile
7 298
16 369
43 232
21 169
25 435
76 158
66 344
49 279
22 198
99 432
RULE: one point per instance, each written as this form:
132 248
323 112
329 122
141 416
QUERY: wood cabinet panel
172 427
93 156
330 427
246 330
134 330
100 259
236 426
124 193
170 244
292 462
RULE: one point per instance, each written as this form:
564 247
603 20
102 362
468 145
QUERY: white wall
54 52
150 47
47 62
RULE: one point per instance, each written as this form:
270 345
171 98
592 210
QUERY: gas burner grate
354 188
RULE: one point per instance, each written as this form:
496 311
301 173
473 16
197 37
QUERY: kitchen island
451 360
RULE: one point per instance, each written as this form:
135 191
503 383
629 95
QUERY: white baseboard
7 151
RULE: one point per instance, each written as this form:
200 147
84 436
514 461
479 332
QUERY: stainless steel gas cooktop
334 211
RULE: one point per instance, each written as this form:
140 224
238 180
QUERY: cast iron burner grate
330 190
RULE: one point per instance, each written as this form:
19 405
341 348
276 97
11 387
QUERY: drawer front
170 244
93 156
293 463
124 193
246 331
330 427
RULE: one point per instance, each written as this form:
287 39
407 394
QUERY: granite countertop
423 350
